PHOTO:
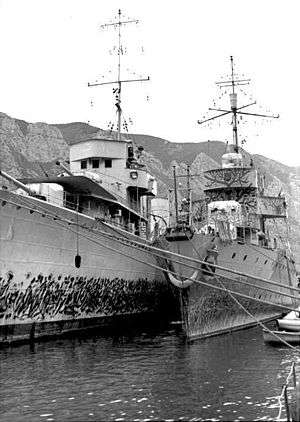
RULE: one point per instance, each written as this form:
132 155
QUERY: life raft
182 284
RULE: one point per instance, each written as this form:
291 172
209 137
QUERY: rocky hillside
29 149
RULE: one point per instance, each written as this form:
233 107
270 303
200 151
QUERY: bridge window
83 164
108 163
95 163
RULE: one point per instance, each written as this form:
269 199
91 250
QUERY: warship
230 267
69 258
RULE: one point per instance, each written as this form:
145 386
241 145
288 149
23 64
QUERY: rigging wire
162 253
163 269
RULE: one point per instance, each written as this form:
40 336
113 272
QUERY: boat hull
289 324
207 308
44 291
289 337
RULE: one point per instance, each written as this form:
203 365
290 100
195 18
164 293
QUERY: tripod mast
119 23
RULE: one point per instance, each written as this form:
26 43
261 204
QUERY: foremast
119 23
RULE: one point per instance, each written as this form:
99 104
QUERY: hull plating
40 284
207 311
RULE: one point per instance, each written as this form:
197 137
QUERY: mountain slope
29 149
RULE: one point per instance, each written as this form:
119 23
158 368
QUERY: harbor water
145 376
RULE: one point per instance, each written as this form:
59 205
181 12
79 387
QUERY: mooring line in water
145 246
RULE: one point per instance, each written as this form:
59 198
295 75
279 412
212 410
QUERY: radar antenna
234 109
118 24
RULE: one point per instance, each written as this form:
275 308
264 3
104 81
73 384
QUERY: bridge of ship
235 205
243 184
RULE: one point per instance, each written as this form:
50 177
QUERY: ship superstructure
106 180
248 268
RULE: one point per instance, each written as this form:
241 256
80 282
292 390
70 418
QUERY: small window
245 257
95 163
266 261
233 255
257 259
83 164
108 163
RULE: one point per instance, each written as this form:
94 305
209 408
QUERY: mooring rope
285 307
154 249
144 246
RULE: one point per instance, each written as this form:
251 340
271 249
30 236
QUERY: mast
119 23
175 195
233 104
118 105
234 109
189 194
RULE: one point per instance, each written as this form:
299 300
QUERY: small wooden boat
291 337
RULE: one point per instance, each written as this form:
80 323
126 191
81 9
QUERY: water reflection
147 377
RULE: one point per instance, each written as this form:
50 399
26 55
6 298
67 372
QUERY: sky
51 49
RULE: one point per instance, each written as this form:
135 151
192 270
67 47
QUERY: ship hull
46 290
207 307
